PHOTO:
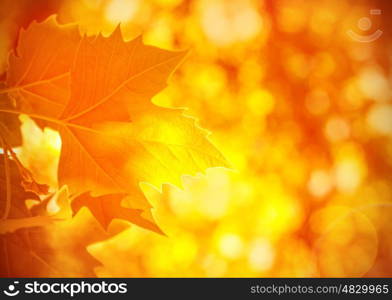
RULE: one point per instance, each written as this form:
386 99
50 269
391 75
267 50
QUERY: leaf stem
7 207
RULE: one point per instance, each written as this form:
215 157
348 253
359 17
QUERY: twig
7 207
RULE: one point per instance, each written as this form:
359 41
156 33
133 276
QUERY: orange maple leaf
113 137
38 242
108 207
38 74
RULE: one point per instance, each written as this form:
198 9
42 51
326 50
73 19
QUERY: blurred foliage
303 113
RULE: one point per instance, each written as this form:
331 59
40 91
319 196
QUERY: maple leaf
108 207
57 249
27 180
113 137
11 183
38 74
15 217
42 213
47 241
17 14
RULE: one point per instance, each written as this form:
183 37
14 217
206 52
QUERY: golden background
303 113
